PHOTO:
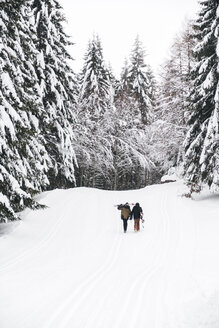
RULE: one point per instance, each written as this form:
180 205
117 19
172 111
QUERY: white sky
117 22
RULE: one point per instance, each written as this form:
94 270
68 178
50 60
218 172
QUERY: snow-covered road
71 266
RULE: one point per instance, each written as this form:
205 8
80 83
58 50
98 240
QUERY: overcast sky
117 22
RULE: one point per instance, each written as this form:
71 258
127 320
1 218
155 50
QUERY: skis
142 220
132 204
142 223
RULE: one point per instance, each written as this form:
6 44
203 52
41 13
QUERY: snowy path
71 266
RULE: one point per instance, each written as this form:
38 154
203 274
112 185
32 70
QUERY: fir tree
171 110
23 158
95 100
140 83
58 90
125 100
130 139
94 96
201 144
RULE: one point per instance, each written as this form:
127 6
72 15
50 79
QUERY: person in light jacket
125 214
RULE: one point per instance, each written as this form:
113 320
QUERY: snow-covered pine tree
130 139
122 87
58 90
131 158
169 127
125 99
140 83
94 96
201 143
23 159
95 99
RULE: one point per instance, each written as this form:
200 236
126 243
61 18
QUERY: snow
7 83
171 176
209 81
71 266
3 198
5 121
40 60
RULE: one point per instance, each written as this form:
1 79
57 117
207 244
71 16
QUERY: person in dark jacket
137 213
125 214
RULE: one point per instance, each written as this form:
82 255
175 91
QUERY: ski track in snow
69 307
38 247
108 279
76 297
145 276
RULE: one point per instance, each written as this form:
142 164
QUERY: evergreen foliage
95 83
201 144
37 95
95 101
132 161
59 130
134 110
140 81
170 125
58 90
112 149
23 160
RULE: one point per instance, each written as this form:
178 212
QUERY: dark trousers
125 223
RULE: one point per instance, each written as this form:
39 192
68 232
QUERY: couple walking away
126 214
